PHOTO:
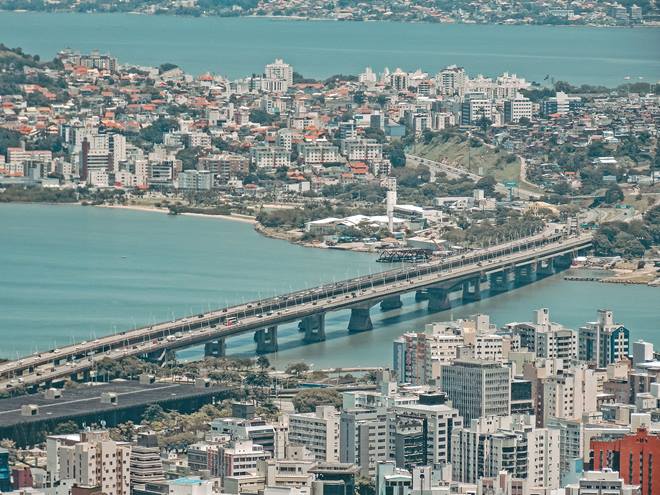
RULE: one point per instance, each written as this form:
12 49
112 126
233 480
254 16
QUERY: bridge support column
525 274
159 356
545 268
420 295
266 340
563 262
438 299
360 319
215 349
472 290
314 327
392 302
499 281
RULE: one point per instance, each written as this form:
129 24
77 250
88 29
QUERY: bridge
499 268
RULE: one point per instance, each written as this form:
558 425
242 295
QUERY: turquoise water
73 273
241 46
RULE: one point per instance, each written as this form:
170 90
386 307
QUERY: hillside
483 159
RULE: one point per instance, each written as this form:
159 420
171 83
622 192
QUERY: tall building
91 459
318 431
451 81
517 108
146 464
561 104
603 342
478 388
506 443
238 459
363 438
474 108
636 458
5 473
279 71
423 430
546 339
569 394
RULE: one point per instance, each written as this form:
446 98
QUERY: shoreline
235 217
299 18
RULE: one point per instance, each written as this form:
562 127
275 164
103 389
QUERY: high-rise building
569 394
146 464
318 431
636 458
5 473
91 459
478 388
546 339
517 108
281 72
363 438
506 443
423 430
603 342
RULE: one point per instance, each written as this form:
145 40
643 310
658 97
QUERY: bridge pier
563 262
438 299
499 281
314 327
420 296
545 268
392 302
215 349
360 319
159 356
266 340
525 274
472 290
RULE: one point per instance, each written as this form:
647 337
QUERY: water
237 47
71 273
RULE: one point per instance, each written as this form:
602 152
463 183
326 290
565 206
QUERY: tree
614 194
297 369
66 428
260 117
166 67
365 486
397 156
153 413
308 400
263 362
487 184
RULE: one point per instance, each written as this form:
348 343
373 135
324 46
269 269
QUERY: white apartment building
517 108
363 438
601 483
478 388
318 431
270 157
569 394
546 339
362 149
603 341
506 443
318 152
91 459
240 458
451 81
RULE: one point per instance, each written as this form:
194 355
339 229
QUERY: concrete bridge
499 268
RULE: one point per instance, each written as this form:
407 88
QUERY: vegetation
20 194
629 240
307 400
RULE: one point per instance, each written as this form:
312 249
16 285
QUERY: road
456 172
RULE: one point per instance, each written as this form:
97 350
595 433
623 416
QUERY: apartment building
318 431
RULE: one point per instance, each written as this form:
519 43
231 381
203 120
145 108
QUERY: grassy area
483 159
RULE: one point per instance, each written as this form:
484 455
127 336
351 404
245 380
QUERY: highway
456 172
47 366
